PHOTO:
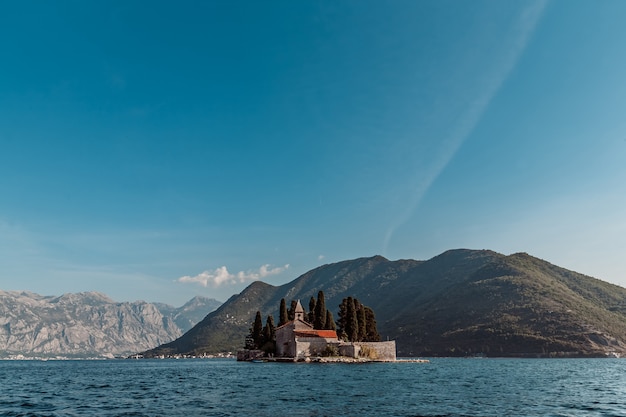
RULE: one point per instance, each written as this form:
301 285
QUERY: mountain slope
517 306
221 330
190 313
462 302
85 324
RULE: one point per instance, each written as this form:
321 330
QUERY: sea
224 387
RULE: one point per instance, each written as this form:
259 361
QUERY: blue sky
157 151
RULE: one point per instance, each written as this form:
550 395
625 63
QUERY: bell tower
299 312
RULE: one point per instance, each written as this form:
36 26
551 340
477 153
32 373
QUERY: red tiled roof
327 334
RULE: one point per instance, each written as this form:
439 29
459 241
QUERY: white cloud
221 276
319 258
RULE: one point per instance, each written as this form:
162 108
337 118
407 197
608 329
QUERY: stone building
298 340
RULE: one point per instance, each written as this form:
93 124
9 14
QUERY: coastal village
298 341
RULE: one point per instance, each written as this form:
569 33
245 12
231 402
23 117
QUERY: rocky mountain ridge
89 324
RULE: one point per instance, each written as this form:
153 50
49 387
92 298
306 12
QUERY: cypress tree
371 331
291 313
284 317
352 324
341 322
312 310
320 312
362 323
269 329
268 344
257 330
330 321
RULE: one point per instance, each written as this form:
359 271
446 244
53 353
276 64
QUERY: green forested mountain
462 302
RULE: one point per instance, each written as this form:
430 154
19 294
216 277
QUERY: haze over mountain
462 302
190 313
90 324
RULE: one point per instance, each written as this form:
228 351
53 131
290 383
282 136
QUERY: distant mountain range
90 324
460 303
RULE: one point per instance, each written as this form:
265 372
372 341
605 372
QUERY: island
316 337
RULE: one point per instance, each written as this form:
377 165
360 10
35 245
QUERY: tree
341 322
268 339
330 321
291 313
269 329
356 322
320 312
284 317
371 330
362 323
352 325
269 336
312 310
257 330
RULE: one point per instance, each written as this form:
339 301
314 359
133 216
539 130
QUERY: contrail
521 34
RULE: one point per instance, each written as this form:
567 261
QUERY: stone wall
312 346
349 350
377 351
381 351
284 343
249 354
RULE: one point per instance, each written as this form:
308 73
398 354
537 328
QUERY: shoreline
334 359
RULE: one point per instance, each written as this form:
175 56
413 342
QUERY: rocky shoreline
336 359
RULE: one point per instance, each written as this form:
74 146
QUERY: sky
162 150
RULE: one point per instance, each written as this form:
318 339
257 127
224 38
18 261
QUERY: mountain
192 312
89 324
462 302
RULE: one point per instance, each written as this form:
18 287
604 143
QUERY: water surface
444 387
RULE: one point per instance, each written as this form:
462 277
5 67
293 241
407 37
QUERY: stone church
298 340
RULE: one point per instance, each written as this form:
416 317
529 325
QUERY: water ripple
221 388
